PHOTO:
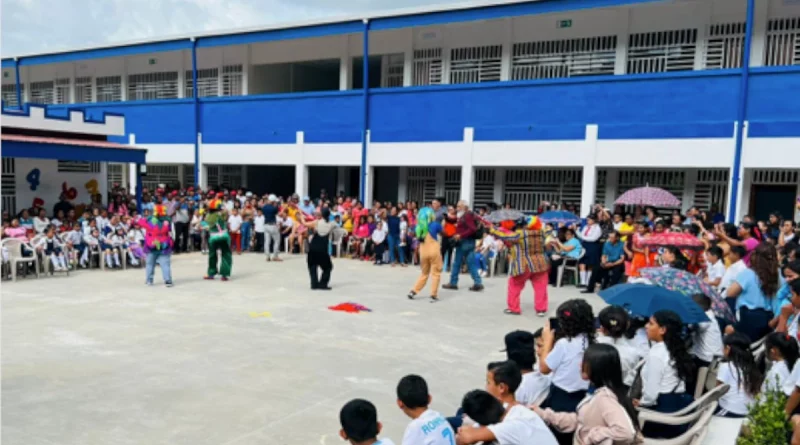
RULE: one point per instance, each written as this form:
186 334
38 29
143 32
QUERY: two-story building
519 102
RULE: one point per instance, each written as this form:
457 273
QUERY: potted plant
766 421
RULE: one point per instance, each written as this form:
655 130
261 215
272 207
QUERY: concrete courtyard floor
99 358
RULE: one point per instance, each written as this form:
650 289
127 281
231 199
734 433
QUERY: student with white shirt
735 256
782 350
360 426
428 427
614 321
716 267
235 229
562 356
606 416
741 373
519 425
706 338
260 227
521 349
665 372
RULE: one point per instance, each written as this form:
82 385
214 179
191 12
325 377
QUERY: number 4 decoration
33 178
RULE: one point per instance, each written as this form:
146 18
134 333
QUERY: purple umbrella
649 196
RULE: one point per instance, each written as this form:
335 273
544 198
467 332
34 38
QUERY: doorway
765 199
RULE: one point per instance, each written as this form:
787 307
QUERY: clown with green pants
219 240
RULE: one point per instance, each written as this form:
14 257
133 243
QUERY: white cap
248 194
272 198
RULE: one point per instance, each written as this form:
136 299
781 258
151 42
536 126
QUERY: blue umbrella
645 299
559 217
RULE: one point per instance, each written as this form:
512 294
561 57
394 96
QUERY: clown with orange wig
219 240
527 260
157 244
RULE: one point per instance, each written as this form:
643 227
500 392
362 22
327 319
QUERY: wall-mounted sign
565 23
152 61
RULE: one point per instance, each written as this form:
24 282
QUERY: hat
174 193
220 195
518 341
215 204
306 198
248 194
159 191
272 198
211 193
233 192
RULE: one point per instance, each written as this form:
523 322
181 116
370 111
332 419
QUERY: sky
36 26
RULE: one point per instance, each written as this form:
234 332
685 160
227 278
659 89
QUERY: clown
430 253
157 244
219 239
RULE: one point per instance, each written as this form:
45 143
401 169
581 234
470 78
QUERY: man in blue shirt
307 207
272 232
612 265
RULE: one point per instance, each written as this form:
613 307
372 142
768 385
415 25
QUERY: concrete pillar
132 168
202 171
499 185
408 59
758 44
72 84
300 169
612 186
445 64
246 71
440 182
589 182
244 176
621 60
506 56
345 66
689 186
702 36
181 174
402 183
369 186
25 74
467 171
124 80
742 201
182 78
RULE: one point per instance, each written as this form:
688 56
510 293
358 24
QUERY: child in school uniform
665 373
260 227
53 248
782 350
741 373
614 321
706 338
521 349
74 238
135 240
92 243
360 426
428 427
562 356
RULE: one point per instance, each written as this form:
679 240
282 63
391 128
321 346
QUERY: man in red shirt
466 232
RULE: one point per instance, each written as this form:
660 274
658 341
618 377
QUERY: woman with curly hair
754 289
561 356
667 368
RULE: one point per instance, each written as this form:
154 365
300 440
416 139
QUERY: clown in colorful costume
219 239
157 244
430 256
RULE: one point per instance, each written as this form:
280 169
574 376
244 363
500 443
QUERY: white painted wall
50 183
281 154
169 153
418 154
771 153
688 153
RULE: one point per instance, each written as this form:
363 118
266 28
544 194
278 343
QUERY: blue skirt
667 403
754 323
594 250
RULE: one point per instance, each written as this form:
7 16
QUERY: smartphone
554 324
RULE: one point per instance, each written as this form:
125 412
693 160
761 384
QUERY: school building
559 100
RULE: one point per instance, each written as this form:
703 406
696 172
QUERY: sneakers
411 295
510 312
476 288
168 283
541 314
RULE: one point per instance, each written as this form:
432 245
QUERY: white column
624 24
445 64
741 202
408 59
300 169
182 174
467 172
402 183
244 176
131 167
369 186
124 80
440 181
612 185
246 71
505 57
102 183
702 36
345 65
589 182
182 77
758 45
689 186
499 185
72 84
25 73
202 174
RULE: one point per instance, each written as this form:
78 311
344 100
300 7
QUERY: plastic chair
707 377
570 264
14 248
696 433
708 399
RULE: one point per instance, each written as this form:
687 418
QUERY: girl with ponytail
782 351
741 373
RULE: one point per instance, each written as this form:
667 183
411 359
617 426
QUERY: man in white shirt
428 427
716 267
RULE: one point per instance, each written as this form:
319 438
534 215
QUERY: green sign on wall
565 23
152 61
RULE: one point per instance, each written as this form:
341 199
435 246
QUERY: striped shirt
526 253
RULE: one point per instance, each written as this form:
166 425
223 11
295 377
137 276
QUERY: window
476 64
78 167
83 90
115 173
207 83
564 58
232 80
725 46
9 94
393 67
62 91
228 176
42 92
525 189
161 174
9 186
428 66
109 89
152 86
783 42
664 51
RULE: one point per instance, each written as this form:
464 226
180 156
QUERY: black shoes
476 288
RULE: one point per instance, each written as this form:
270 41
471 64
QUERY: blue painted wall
505 111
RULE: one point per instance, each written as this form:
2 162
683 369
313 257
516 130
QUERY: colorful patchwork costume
219 240
157 243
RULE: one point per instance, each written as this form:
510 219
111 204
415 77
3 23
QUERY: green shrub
766 420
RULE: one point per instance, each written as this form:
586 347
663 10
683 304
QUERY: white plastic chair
696 433
708 399
14 248
570 264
